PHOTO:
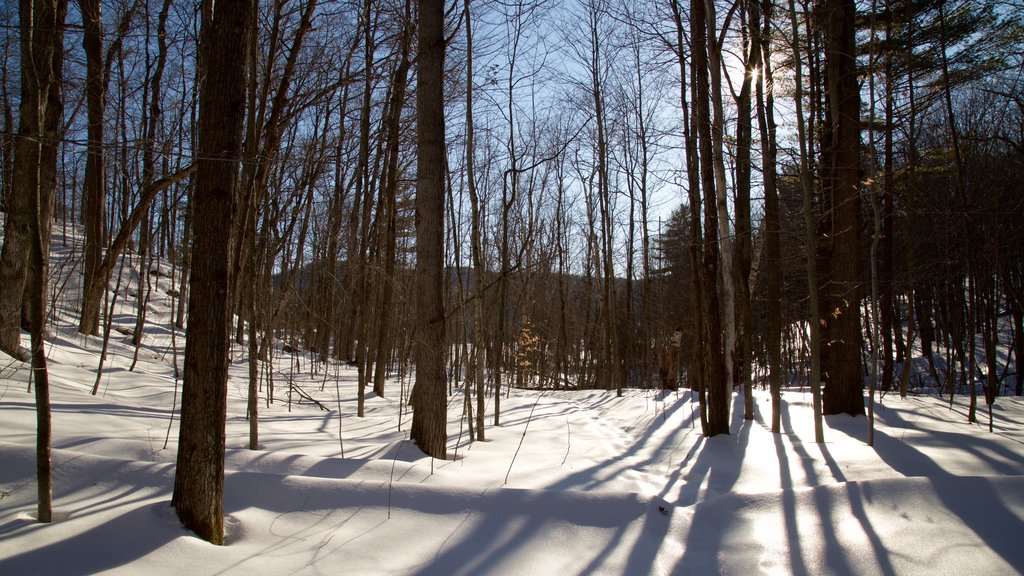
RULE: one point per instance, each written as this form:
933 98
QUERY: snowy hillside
570 483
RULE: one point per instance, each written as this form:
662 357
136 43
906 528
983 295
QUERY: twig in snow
391 479
568 441
523 437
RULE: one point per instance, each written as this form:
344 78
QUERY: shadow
497 537
835 558
882 555
797 564
489 528
595 476
108 546
975 500
719 463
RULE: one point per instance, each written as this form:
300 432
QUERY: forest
528 194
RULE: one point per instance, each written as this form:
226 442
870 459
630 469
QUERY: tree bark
769 154
476 240
696 237
806 187
94 187
841 365
27 229
429 423
716 382
93 190
744 242
199 479
389 203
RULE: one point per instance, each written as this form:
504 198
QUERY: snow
572 482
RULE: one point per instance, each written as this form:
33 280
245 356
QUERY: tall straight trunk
724 248
744 242
354 265
643 131
198 494
910 200
27 229
841 170
696 237
429 421
810 236
476 241
769 154
716 371
876 237
152 119
609 341
98 67
389 197
93 186
886 300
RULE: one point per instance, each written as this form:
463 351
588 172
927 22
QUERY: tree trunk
389 205
769 154
696 241
429 421
476 240
199 479
841 365
744 242
716 384
94 189
97 81
814 314
727 301
889 324
27 234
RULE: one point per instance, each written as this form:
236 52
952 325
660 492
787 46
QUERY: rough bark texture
429 429
35 161
199 479
841 334
93 192
716 385
744 248
388 212
27 243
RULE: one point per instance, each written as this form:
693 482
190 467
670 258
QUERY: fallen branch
303 394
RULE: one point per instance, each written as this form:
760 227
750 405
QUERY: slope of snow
572 482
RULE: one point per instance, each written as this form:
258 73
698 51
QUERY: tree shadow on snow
107 546
718 465
985 510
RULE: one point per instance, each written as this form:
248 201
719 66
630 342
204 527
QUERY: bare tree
476 240
388 205
199 479
428 400
806 187
717 384
24 263
762 35
841 181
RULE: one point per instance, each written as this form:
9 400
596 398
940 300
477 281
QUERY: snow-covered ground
571 482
